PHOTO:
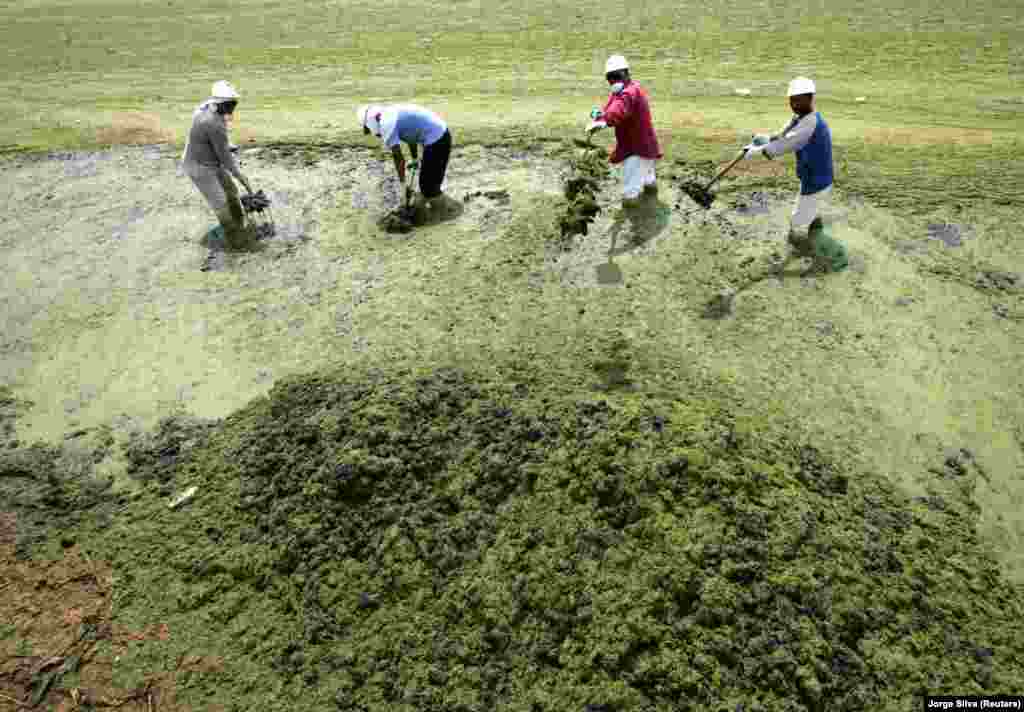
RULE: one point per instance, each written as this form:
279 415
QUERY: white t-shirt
411 124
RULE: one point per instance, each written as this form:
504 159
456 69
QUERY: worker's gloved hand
596 114
760 140
752 151
414 164
595 126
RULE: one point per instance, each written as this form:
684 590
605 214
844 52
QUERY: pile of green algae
410 540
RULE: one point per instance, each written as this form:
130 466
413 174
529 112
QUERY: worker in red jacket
636 145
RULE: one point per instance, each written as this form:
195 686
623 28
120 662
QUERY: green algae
429 541
588 168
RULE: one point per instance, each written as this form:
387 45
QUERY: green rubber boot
828 253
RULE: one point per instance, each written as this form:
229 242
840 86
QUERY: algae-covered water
464 468
110 317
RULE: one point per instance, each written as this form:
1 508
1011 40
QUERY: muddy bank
414 539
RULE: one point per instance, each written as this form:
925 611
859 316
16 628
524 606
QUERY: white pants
636 174
806 207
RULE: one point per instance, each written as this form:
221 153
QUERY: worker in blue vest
809 137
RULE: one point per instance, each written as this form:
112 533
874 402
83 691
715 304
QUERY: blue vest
814 161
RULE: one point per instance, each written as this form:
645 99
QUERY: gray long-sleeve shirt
793 136
208 143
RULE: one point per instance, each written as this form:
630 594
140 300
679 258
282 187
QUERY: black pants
435 163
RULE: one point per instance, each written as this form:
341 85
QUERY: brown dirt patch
244 134
761 168
686 119
134 127
927 136
723 135
60 609
8 528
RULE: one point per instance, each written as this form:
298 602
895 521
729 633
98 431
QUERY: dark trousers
435 163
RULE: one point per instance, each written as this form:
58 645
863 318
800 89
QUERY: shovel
701 194
609 273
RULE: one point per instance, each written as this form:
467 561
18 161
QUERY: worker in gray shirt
209 161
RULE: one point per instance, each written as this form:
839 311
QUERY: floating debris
500 196
184 498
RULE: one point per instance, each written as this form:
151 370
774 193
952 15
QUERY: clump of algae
438 542
588 168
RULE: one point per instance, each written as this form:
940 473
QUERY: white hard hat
615 63
801 85
368 114
223 90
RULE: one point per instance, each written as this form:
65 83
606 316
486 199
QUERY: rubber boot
420 212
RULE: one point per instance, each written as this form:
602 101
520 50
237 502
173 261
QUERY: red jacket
630 114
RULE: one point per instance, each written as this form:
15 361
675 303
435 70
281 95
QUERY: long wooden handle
726 170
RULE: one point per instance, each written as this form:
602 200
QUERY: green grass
501 68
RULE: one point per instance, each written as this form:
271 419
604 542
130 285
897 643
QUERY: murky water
951 234
756 205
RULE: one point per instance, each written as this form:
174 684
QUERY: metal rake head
255 202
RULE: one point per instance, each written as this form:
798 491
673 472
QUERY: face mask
617 87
